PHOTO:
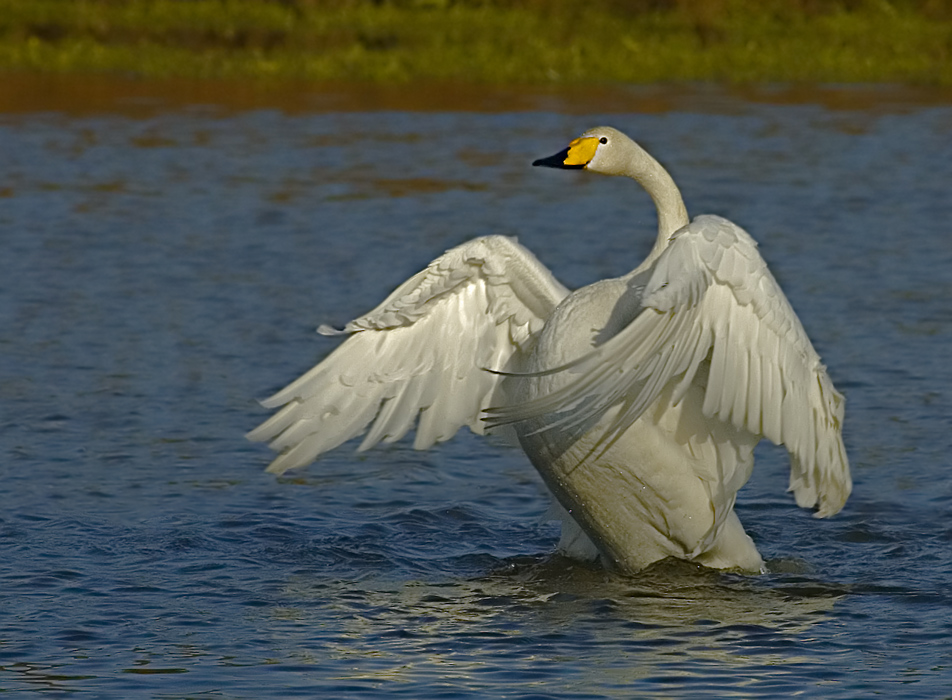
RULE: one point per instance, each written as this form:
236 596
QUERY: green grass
527 42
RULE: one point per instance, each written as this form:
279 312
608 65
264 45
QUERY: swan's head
601 150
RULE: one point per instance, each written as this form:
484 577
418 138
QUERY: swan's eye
603 139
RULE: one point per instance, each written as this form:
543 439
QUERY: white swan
638 399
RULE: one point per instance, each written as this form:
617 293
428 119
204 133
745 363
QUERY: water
163 267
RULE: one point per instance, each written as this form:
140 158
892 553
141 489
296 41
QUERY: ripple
141 537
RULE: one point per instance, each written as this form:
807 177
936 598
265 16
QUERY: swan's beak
557 161
578 155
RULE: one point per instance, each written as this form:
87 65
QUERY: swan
638 399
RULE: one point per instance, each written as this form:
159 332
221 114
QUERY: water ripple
159 274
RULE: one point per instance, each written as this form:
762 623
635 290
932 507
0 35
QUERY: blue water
158 274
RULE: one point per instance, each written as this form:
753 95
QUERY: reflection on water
675 620
165 264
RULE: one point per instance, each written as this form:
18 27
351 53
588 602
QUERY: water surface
162 268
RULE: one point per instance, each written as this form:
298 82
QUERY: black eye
603 139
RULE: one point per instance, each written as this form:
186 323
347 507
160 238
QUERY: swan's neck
672 214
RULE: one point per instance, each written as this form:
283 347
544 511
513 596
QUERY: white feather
749 335
420 356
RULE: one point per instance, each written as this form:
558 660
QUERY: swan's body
638 399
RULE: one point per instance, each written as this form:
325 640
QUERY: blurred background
487 41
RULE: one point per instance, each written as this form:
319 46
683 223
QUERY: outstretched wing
711 299
422 354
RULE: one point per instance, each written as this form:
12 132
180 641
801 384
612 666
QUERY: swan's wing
421 354
711 298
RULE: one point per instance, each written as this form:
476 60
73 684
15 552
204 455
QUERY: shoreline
87 94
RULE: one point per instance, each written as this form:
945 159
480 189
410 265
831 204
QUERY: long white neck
672 214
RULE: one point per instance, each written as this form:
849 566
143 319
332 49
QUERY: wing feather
419 358
717 377
711 296
755 389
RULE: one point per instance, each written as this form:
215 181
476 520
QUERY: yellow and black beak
577 156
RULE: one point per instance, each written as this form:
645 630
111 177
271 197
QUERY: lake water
165 264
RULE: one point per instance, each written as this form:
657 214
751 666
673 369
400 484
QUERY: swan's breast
584 320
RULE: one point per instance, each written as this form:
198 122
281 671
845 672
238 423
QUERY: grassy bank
481 41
